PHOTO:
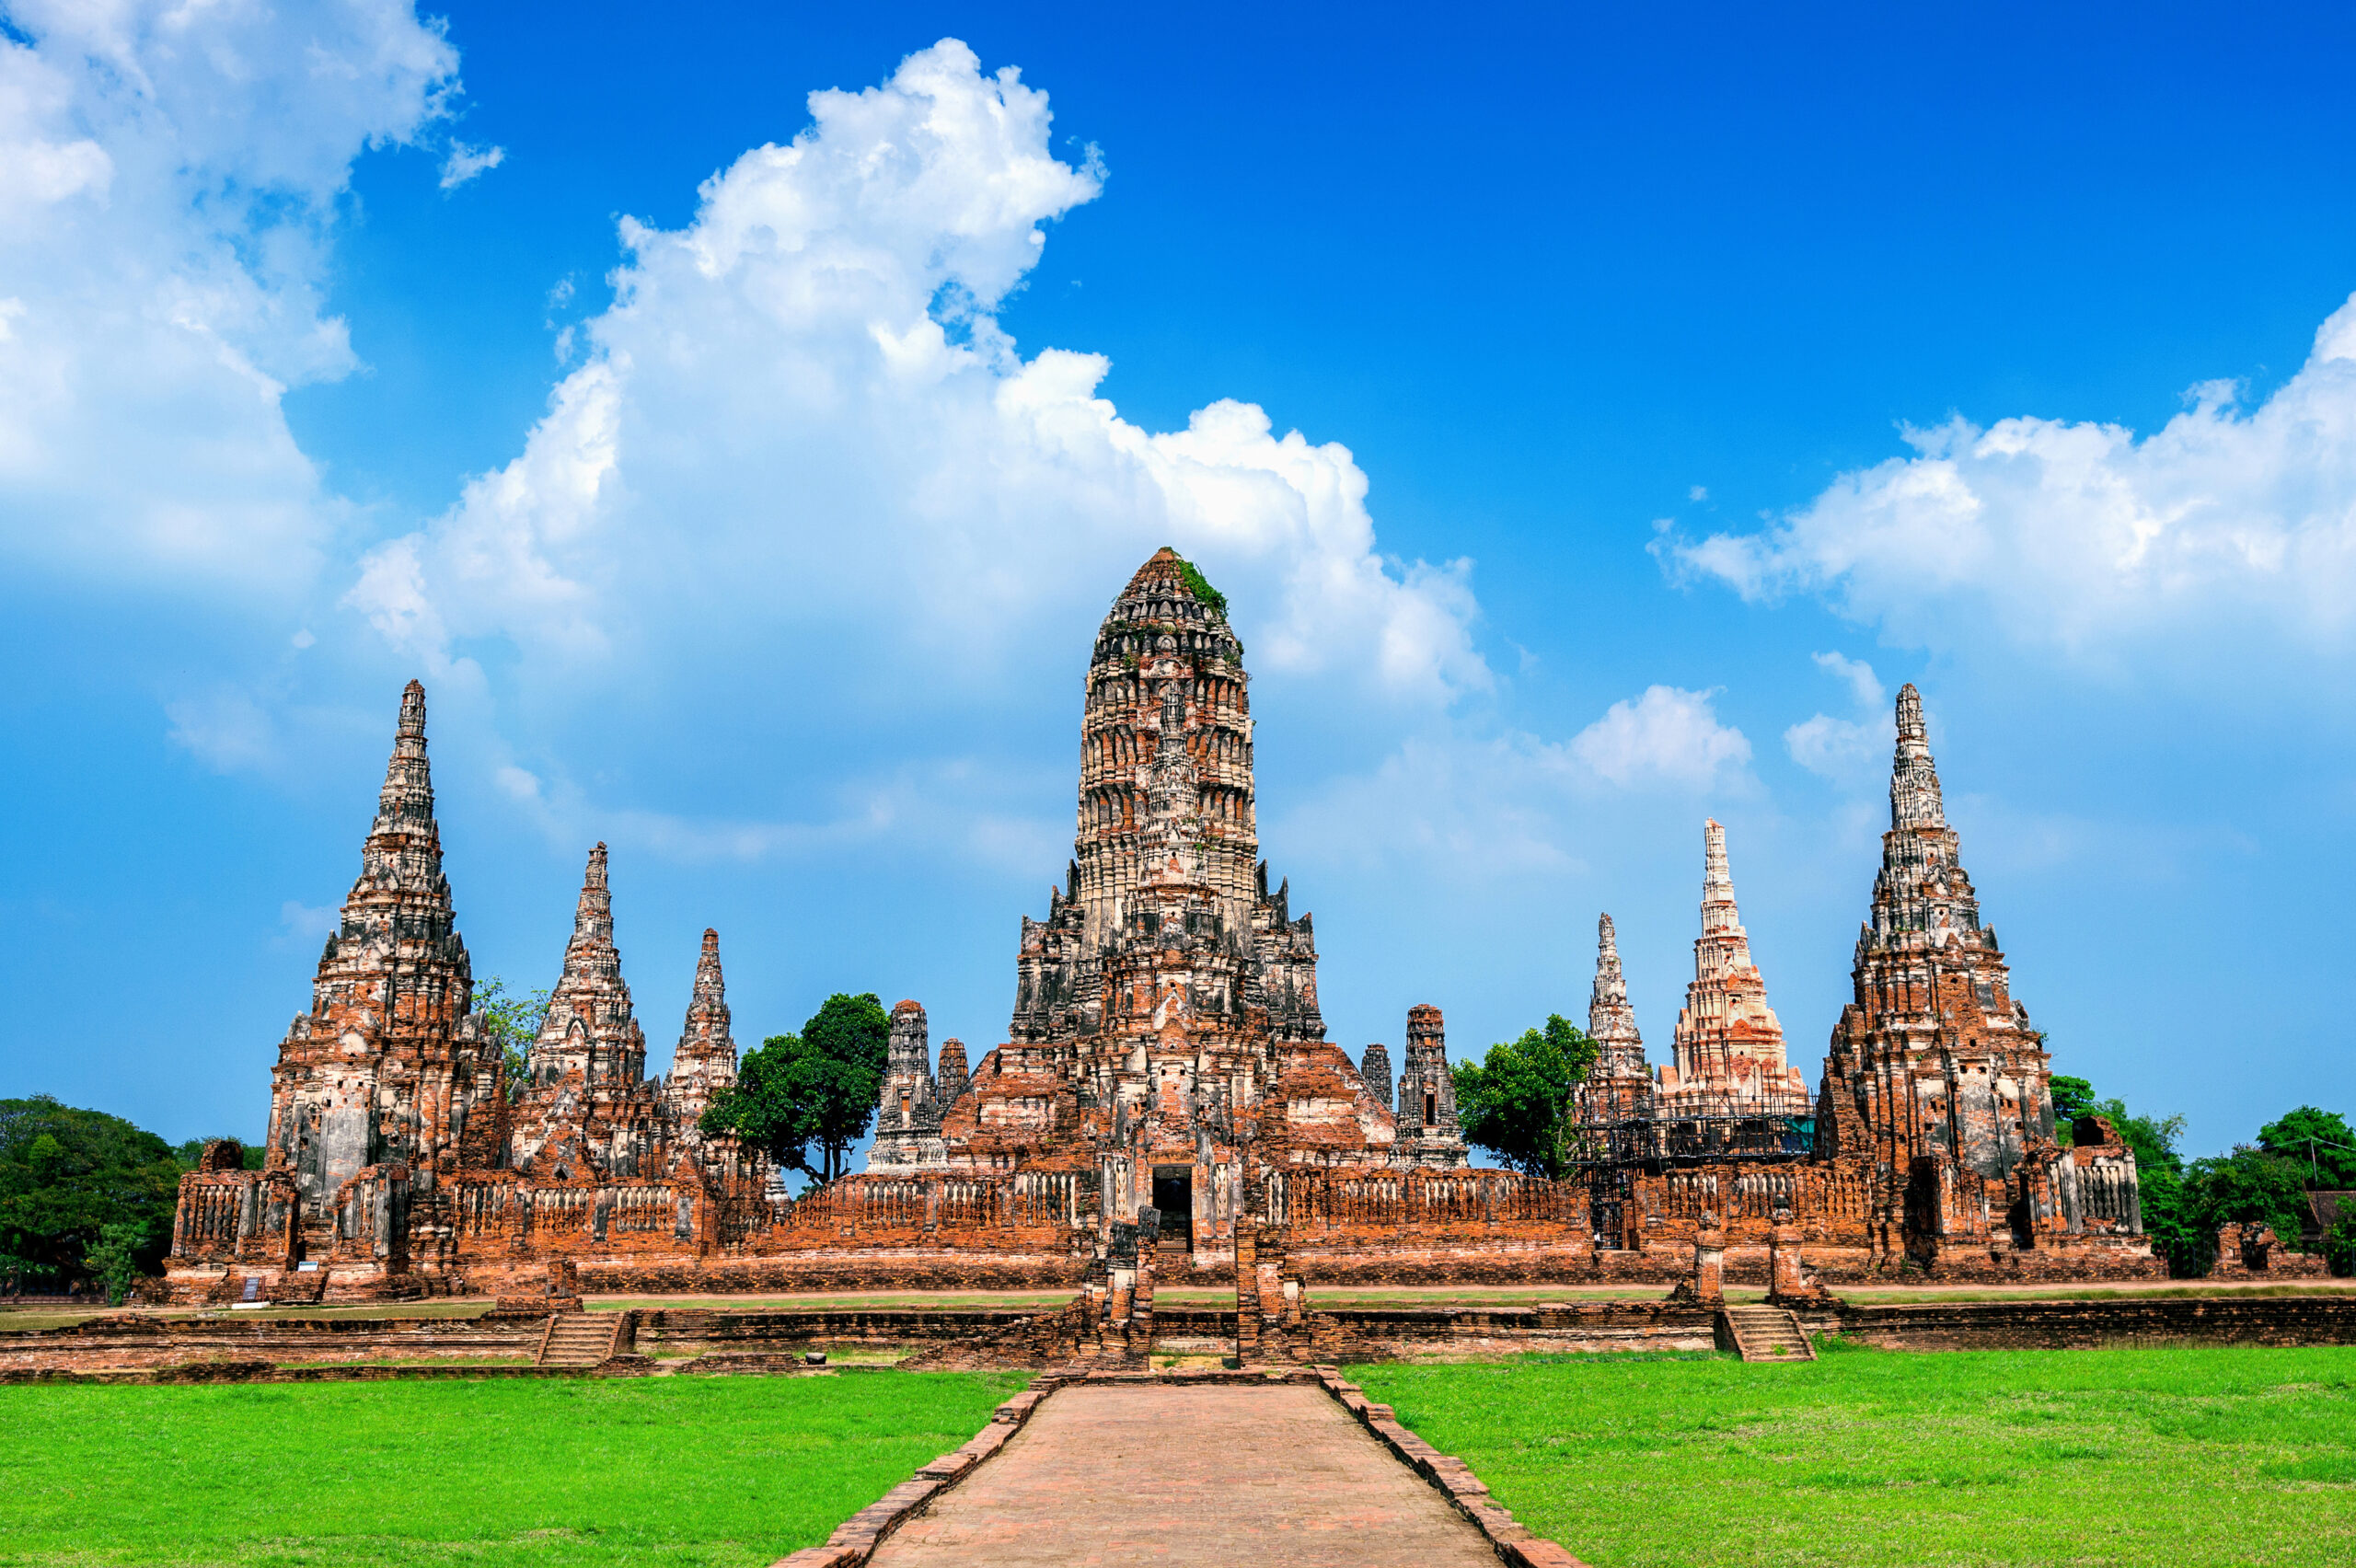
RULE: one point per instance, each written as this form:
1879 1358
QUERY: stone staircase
1763 1333
579 1339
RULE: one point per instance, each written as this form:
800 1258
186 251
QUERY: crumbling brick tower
1728 1047
1619 1088
1935 1076
1166 1033
387 1079
1166 636
1427 1131
589 1109
703 1066
908 1105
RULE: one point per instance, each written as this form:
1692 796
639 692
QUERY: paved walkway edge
856 1538
1509 1537
855 1541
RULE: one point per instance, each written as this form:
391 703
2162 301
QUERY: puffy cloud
2081 536
167 183
1668 735
802 409
1863 682
465 161
1847 750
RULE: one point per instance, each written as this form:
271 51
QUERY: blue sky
1668 389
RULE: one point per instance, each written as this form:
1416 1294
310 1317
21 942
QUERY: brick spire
385 1066
1426 1110
1619 1086
1913 778
1729 1045
591 948
1166 685
1935 1057
1718 912
401 861
590 1025
1611 1021
705 1060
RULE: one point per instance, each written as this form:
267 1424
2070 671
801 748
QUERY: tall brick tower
1619 1087
589 1108
1427 1111
387 1067
1729 1045
1934 1072
1165 685
704 1064
908 1111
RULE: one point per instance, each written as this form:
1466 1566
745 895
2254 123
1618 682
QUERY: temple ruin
1166 1098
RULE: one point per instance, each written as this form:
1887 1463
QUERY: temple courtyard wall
1040 1230
726 1339
500 1232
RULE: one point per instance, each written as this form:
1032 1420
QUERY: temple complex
1165 1097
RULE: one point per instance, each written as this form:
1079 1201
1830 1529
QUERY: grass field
730 1472
2184 1456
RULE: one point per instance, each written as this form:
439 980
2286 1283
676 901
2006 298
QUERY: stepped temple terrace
1165 1101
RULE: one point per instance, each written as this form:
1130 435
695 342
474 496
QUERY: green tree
2072 1097
1516 1101
2174 1230
2340 1241
113 1259
514 1021
2248 1186
805 1099
2320 1142
66 1176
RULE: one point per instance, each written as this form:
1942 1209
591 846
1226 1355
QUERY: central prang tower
1166 1051
1167 700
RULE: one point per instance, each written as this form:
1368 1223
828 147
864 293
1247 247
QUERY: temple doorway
1174 1194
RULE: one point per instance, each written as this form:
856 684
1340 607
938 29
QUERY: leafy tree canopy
1516 1101
2153 1138
514 1021
75 1184
2248 1186
2320 1142
805 1099
2072 1097
850 1029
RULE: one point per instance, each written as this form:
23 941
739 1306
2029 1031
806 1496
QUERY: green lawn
728 1472
2185 1456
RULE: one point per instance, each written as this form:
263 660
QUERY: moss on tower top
1197 584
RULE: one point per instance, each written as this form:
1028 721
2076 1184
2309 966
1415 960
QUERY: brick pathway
1222 1477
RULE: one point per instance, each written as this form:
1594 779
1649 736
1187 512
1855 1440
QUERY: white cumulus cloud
1668 735
465 162
2083 537
802 409
1847 751
168 175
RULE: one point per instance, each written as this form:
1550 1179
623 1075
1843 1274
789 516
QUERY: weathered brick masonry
1166 1100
